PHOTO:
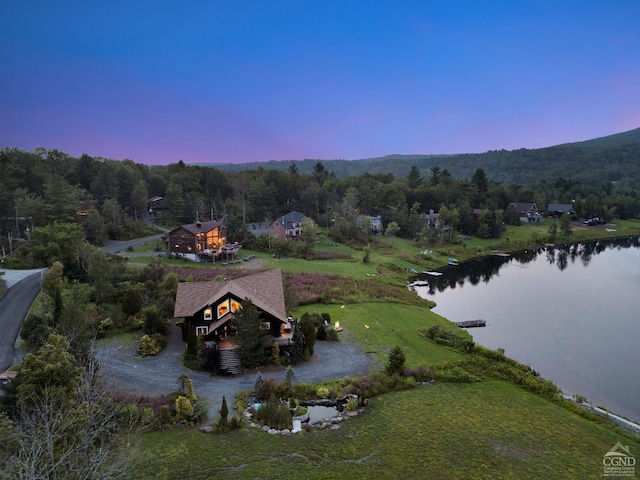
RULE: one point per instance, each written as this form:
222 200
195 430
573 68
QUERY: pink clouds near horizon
248 82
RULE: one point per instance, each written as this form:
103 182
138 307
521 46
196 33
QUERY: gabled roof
523 207
290 218
265 290
560 207
195 228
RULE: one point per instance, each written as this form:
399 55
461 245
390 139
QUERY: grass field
390 325
484 430
488 430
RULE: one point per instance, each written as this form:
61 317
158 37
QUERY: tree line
109 198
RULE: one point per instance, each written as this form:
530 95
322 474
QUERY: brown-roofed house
209 309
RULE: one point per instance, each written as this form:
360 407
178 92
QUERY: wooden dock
472 323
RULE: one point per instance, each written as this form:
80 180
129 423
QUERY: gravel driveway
125 371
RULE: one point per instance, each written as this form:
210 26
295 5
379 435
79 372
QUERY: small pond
318 412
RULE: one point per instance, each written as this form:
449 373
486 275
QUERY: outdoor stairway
230 362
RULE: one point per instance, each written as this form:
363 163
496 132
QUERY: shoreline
632 426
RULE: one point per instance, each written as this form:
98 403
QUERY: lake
571 312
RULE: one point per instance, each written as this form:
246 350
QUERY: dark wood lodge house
199 241
209 308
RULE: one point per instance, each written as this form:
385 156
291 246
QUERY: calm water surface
573 314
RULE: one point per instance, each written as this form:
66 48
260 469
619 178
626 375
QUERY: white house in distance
528 212
374 222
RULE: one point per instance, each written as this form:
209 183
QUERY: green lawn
489 430
390 325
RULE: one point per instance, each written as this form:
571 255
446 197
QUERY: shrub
148 346
323 392
331 335
274 414
300 411
419 374
105 326
352 403
184 409
321 334
448 338
448 372
164 415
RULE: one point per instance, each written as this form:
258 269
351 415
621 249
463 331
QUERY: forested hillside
109 199
614 158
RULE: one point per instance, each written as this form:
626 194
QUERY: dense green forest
109 199
613 158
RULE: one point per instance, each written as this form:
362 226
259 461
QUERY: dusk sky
244 81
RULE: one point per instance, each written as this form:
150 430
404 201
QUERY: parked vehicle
590 222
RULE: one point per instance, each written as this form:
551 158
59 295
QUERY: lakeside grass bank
486 428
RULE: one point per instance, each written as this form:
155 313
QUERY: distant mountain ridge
615 140
612 158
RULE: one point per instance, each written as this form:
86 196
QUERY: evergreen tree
288 376
275 353
52 371
249 336
308 323
258 387
297 349
224 414
395 363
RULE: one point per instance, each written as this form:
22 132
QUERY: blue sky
240 81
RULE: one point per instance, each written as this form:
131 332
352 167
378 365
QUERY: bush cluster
274 413
150 345
448 338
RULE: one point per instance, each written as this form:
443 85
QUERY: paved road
126 372
14 305
115 246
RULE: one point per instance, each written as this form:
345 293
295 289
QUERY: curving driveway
124 371
23 288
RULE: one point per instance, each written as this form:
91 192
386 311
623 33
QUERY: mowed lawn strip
483 430
391 325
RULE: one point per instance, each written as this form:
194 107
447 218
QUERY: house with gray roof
555 210
287 226
528 212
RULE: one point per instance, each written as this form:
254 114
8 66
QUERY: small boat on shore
433 274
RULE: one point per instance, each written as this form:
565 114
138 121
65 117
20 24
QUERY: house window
208 314
202 330
235 306
223 308
265 326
